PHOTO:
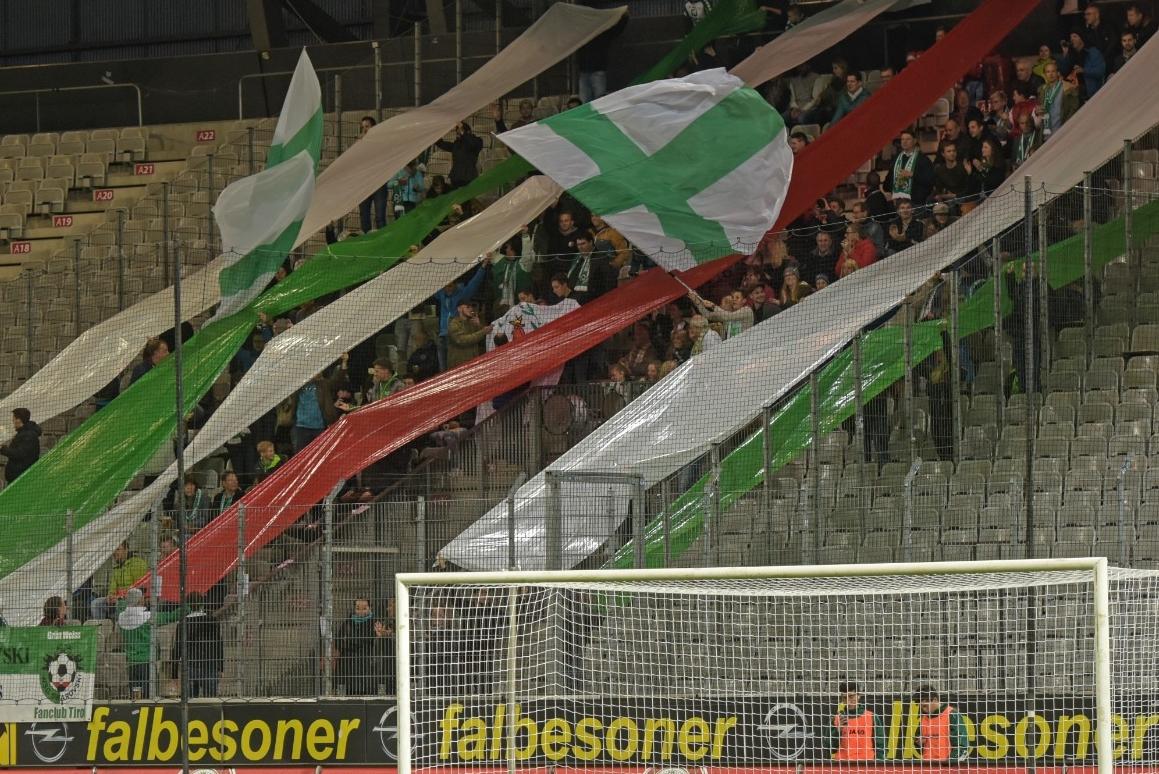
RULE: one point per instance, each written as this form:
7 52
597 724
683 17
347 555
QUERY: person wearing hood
206 657
24 448
135 622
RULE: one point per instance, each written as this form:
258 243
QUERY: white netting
996 667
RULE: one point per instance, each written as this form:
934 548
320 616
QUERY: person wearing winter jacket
24 448
464 150
206 657
135 622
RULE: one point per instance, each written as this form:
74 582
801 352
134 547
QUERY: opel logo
387 730
786 731
49 741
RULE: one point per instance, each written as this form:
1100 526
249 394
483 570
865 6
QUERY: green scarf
580 272
903 186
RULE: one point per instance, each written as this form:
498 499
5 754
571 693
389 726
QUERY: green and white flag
47 673
688 169
259 216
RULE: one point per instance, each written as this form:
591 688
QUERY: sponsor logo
7 744
387 730
786 731
49 741
676 770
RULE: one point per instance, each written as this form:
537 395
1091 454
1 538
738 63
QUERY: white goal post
739 668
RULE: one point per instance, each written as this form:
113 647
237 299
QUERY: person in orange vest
857 734
942 732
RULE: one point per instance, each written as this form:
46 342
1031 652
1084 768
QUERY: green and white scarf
580 272
903 186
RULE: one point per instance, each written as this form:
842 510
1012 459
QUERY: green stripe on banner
728 17
303 140
882 365
262 261
671 183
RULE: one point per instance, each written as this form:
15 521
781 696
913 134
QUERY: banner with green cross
687 169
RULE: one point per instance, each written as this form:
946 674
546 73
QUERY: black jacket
464 152
22 451
206 649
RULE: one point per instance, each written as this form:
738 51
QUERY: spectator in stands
193 502
971 149
940 219
465 334
1045 57
423 362
822 257
870 228
268 459
732 312
1029 140
1026 79
942 735
359 650
448 299
641 353
127 569
313 411
23 449
857 252
1083 65
1057 102
990 170
464 150
952 180
590 273
912 176
438 187
592 61
384 382
806 88
206 656
1026 300
849 99
408 187
611 242
230 493
820 282
856 734
558 244
135 623
798 141
794 291
511 272
154 352
997 115
703 336
1100 33
1128 47
1138 23
1024 104
877 201
680 348
526 114
906 230
377 200
55 612
763 308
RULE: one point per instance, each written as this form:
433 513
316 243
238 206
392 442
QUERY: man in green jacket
465 335
135 623
127 570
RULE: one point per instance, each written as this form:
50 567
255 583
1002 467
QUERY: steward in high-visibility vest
942 732
857 734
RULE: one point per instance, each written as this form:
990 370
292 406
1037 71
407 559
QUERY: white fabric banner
386 148
287 362
664 430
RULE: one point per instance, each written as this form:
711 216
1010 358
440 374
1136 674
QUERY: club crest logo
60 679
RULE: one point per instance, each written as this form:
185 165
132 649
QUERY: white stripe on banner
759 367
286 363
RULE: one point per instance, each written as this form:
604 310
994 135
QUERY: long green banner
882 365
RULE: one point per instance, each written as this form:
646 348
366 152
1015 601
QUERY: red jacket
864 253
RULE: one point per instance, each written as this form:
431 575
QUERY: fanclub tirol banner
721 735
46 673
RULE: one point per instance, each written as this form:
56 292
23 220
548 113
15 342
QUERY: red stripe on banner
359 439
847 144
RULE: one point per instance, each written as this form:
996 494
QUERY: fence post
1089 263
458 41
498 27
714 501
249 140
377 51
907 522
481 463
767 461
1122 520
1029 368
328 589
242 588
165 232
418 65
210 177
28 326
155 590
338 103
639 499
1128 205
1043 289
421 533
553 523
956 360
859 418
70 526
76 287
120 260
512 555
666 515
815 461
535 401
999 345
908 365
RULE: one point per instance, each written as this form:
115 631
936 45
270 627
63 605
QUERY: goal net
1028 665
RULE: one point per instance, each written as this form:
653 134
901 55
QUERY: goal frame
1097 566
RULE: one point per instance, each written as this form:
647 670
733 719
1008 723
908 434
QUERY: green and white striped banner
688 169
259 216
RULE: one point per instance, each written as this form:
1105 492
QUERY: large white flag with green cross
688 169
259 216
